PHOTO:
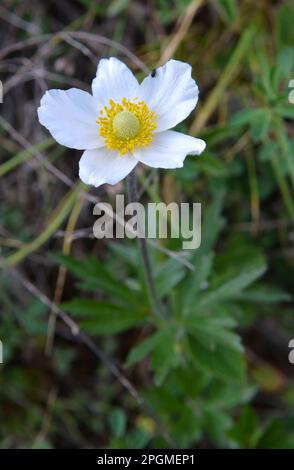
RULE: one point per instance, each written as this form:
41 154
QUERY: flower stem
148 274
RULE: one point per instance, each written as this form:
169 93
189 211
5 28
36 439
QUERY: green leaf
117 422
221 395
202 259
284 25
244 431
141 350
259 125
268 150
285 111
164 356
94 276
264 293
104 318
211 332
223 362
168 275
258 119
129 254
283 67
274 436
232 287
212 165
194 283
213 223
137 439
245 116
217 425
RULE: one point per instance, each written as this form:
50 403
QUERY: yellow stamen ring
126 125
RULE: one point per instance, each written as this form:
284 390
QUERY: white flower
124 122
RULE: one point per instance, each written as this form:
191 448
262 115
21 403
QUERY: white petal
171 93
105 166
70 116
114 80
169 149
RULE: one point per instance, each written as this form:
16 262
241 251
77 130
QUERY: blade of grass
282 182
25 155
253 184
72 221
227 77
284 144
59 215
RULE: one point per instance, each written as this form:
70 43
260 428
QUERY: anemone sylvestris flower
123 122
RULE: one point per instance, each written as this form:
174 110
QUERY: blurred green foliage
206 370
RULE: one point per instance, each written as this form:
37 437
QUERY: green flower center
126 125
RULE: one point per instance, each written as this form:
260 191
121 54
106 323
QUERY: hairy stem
148 274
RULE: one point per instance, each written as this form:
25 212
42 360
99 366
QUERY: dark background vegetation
216 373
